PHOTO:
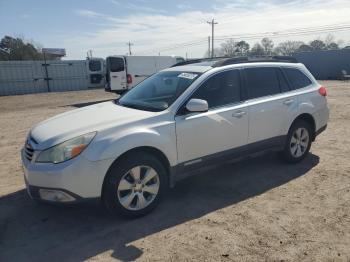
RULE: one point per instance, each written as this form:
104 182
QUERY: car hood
82 121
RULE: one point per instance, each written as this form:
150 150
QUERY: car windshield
159 91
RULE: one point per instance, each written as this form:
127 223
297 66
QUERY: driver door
213 135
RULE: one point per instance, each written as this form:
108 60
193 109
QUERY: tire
126 191
298 142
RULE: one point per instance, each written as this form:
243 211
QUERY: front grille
28 151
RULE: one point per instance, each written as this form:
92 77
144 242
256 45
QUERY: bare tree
267 44
229 48
288 47
329 39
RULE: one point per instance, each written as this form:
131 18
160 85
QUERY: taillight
323 91
129 79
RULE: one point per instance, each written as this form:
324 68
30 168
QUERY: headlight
66 150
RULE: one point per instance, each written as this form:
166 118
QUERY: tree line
16 48
267 47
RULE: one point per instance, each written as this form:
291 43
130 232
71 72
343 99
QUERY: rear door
116 73
271 104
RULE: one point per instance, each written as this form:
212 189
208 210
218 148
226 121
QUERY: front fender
112 146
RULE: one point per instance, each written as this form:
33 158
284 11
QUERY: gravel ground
256 209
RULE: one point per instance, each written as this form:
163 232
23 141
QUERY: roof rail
198 60
187 62
247 59
222 61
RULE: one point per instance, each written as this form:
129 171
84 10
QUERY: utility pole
212 23
129 44
208 46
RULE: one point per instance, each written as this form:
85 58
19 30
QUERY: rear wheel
135 185
298 141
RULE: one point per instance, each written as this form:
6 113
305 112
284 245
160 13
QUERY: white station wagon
173 124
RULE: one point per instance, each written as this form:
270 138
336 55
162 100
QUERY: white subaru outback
178 121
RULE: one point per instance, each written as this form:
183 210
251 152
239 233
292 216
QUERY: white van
96 70
124 72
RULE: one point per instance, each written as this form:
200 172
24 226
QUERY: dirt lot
258 209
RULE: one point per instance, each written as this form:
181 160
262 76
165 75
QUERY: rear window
297 78
115 64
94 65
262 81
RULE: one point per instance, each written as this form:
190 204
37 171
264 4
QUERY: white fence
24 77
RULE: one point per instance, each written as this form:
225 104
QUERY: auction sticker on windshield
188 75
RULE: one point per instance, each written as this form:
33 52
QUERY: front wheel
298 142
135 185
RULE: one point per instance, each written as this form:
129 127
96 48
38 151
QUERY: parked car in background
172 125
124 72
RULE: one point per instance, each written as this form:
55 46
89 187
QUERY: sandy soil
257 209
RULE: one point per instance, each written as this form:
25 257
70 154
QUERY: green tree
318 45
257 50
242 47
18 49
305 48
332 46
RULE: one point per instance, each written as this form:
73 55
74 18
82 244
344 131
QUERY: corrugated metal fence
326 64
24 77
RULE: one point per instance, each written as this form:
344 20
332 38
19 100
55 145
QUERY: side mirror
197 105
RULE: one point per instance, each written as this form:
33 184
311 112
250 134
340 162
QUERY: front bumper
70 181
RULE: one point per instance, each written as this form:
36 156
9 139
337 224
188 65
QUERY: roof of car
203 65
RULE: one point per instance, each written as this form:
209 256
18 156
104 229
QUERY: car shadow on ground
37 232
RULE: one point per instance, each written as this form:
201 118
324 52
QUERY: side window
262 81
221 89
283 82
297 78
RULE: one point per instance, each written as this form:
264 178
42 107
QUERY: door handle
238 114
114 76
288 102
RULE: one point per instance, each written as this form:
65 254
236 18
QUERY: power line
175 46
282 33
252 36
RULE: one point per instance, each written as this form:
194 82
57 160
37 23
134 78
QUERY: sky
157 27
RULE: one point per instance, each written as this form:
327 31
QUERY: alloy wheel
138 188
299 142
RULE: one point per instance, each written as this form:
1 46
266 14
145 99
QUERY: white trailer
124 72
